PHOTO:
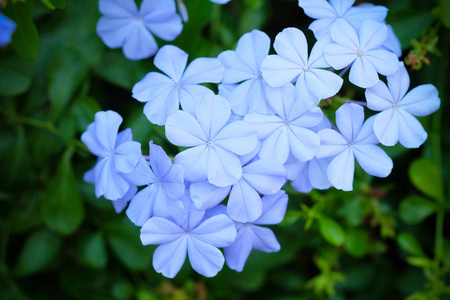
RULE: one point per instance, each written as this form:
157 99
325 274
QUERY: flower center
394 106
306 68
287 122
351 144
359 53
209 144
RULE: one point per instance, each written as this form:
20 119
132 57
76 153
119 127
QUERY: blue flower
243 66
164 94
287 131
7 28
165 186
118 154
250 236
327 13
192 233
354 140
123 25
215 144
362 51
396 121
292 64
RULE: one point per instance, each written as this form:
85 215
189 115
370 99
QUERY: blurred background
387 239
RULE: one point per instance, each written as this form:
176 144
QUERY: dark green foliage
387 239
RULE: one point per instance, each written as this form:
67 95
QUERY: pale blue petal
301 182
121 203
203 69
329 83
322 27
412 134
363 73
392 42
148 7
107 182
249 97
193 216
160 231
341 6
398 83
114 31
194 162
125 135
252 48
182 129
372 35
276 145
141 207
367 135
239 137
161 18
159 160
217 231
158 109
267 175
317 173
379 97
264 124
345 35
139 44
106 127
349 119
263 239
273 209
237 253
358 14
118 8
244 203
385 62
305 114
235 70
169 258
90 140
303 143
294 167
386 127
341 170
251 156
373 160
225 90
173 182
224 167
212 113
339 56
205 259
331 143
278 71
281 99
89 176
172 61
206 195
421 101
316 57
142 174
317 9
291 45
191 94
127 156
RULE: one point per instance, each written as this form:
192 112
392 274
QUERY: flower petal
373 160
139 44
172 61
206 195
205 259
169 258
160 231
218 231
341 171
421 101
182 129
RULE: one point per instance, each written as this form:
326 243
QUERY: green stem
47 125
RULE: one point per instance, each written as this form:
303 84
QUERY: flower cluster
263 128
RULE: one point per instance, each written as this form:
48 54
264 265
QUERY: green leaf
123 237
331 231
17 74
59 3
62 207
444 9
357 243
25 39
83 109
48 3
425 176
93 251
408 24
40 248
66 73
408 243
420 262
414 209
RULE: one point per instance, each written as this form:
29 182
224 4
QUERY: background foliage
387 239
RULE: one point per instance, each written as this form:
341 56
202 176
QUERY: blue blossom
292 64
243 66
180 85
220 1
362 51
123 25
165 185
353 140
287 131
250 236
215 144
118 154
7 28
192 233
327 13
396 121
265 176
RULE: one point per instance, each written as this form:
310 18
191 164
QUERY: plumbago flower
327 13
396 121
292 64
243 66
165 186
362 51
287 131
123 25
250 236
215 144
353 140
193 233
164 94
118 155
7 28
